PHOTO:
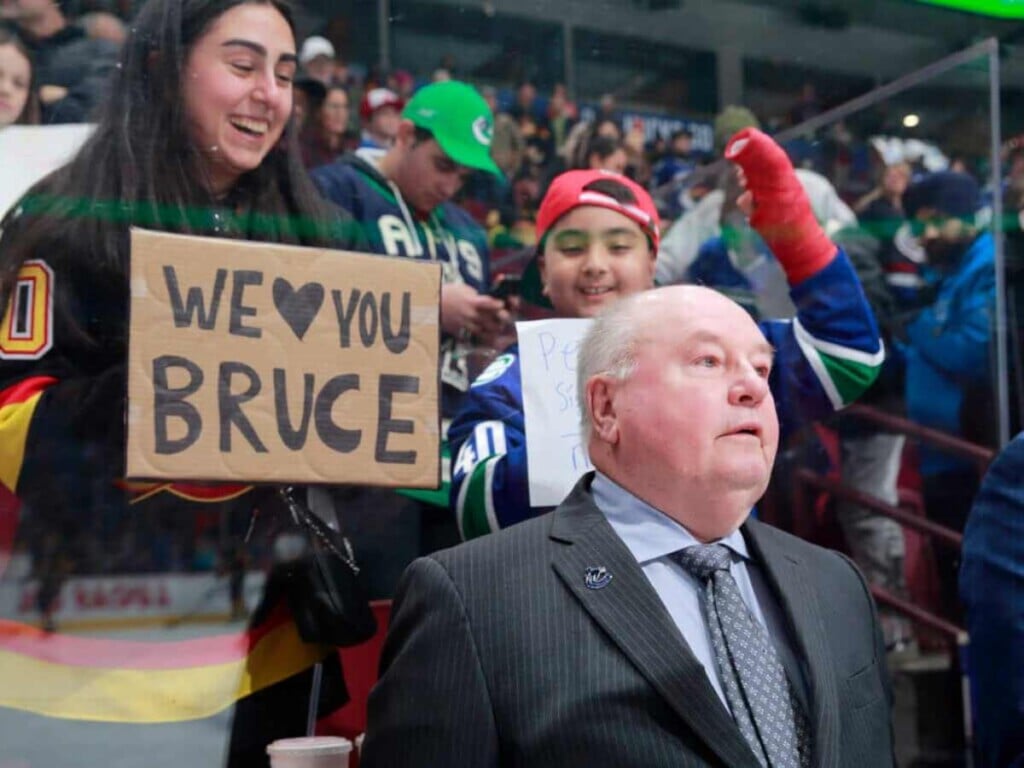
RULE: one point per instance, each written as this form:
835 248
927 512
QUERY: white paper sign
29 152
555 453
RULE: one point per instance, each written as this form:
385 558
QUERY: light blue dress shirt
651 536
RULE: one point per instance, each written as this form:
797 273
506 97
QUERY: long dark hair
141 168
30 112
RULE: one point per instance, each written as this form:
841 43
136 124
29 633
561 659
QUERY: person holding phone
404 201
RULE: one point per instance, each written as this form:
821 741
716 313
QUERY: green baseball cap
459 119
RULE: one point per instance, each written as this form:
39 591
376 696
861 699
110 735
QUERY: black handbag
326 595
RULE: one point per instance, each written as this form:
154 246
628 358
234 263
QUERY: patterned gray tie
755 682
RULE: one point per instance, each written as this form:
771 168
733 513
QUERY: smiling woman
195 138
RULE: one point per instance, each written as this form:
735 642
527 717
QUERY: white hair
607 348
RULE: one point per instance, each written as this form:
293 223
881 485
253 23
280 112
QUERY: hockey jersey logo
26 332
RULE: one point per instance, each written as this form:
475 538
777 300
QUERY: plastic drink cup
310 752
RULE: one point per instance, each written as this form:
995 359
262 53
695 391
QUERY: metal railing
805 480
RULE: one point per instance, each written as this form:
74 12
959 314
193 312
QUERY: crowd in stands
879 197
462 172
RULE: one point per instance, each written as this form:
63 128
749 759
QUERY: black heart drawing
298 307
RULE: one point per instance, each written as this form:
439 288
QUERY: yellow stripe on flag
14 423
151 695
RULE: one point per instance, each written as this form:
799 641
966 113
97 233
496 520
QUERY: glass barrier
194 619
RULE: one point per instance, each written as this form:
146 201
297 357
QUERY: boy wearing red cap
598 236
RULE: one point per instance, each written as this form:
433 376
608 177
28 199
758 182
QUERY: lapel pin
597 577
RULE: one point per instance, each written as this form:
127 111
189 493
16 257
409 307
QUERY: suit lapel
792 583
630 612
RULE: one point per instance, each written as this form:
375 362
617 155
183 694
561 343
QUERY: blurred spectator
592 145
607 109
490 94
561 115
526 107
992 589
71 69
18 102
807 105
101 25
533 124
949 382
325 135
672 177
402 83
508 147
881 214
634 143
490 198
340 73
883 205
677 162
307 95
607 126
440 75
317 58
729 121
379 114
606 154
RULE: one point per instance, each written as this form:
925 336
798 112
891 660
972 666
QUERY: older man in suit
647 621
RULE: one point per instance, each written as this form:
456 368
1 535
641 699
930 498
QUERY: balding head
673 383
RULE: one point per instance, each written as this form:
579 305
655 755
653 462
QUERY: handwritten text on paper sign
556 456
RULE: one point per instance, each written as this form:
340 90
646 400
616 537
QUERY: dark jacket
514 661
447 235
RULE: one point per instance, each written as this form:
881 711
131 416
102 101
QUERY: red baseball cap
569 191
376 98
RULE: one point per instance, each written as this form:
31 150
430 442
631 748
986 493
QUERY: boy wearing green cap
403 200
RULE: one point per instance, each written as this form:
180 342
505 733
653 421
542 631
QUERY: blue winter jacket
948 349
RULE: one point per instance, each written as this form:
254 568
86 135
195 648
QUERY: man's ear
406 134
600 393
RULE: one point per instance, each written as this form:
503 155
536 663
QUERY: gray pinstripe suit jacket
499 654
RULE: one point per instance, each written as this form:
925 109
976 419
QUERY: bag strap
316 528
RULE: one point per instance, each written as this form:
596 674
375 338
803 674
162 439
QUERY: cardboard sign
267 363
555 453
